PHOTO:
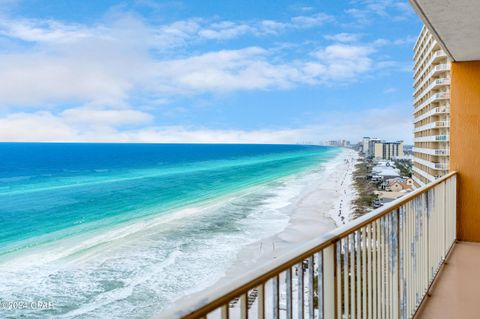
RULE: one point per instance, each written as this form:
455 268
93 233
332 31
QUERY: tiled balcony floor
456 293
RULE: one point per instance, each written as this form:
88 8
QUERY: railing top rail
200 305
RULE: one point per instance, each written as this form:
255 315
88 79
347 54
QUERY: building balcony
437 97
380 265
432 151
436 84
431 126
435 111
432 138
421 172
436 56
433 72
418 181
421 52
432 165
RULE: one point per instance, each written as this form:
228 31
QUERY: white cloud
48 127
106 63
38 78
70 126
101 67
345 61
42 30
367 10
343 37
251 69
225 30
311 20
104 117
106 70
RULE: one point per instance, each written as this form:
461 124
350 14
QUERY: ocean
124 230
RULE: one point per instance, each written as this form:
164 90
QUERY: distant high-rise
380 149
365 145
431 114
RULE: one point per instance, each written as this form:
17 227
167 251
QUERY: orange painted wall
465 146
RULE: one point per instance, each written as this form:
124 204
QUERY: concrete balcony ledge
435 56
434 71
432 138
433 125
432 165
434 98
434 85
431 151
435 111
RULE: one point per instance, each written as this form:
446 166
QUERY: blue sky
206 71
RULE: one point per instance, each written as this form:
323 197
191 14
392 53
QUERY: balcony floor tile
456 293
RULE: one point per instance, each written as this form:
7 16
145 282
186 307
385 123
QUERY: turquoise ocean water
123 230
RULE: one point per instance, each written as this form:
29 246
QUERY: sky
206 71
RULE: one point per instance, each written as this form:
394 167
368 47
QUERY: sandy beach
322 207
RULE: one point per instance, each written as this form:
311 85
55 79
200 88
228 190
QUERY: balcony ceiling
455 23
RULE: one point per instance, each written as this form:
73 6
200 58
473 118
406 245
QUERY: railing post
399 298
276 297
329 282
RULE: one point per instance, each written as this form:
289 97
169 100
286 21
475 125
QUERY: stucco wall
465 146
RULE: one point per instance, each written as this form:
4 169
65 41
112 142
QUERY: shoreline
321 208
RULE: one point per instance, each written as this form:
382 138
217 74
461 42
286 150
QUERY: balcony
437 55
436 84
434 71
456 293
431 126
432 138
382 264
422 51
431 151
421 172
435 111
437 97
432 165
418 181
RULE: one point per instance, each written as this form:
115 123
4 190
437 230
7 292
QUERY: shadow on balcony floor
457 291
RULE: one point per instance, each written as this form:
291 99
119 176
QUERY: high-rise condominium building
431 113
380 149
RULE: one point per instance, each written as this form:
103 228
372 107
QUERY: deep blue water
65 202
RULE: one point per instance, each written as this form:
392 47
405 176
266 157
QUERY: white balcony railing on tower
381 265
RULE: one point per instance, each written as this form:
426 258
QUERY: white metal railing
434 111
381 265
432 138
432 151
436 55
432 165
437 68
435 83
418 180
434 98
432 125
421 52
424 174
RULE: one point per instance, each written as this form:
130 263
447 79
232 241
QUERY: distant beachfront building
389 150
365 142
372 142
431 101
380 149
